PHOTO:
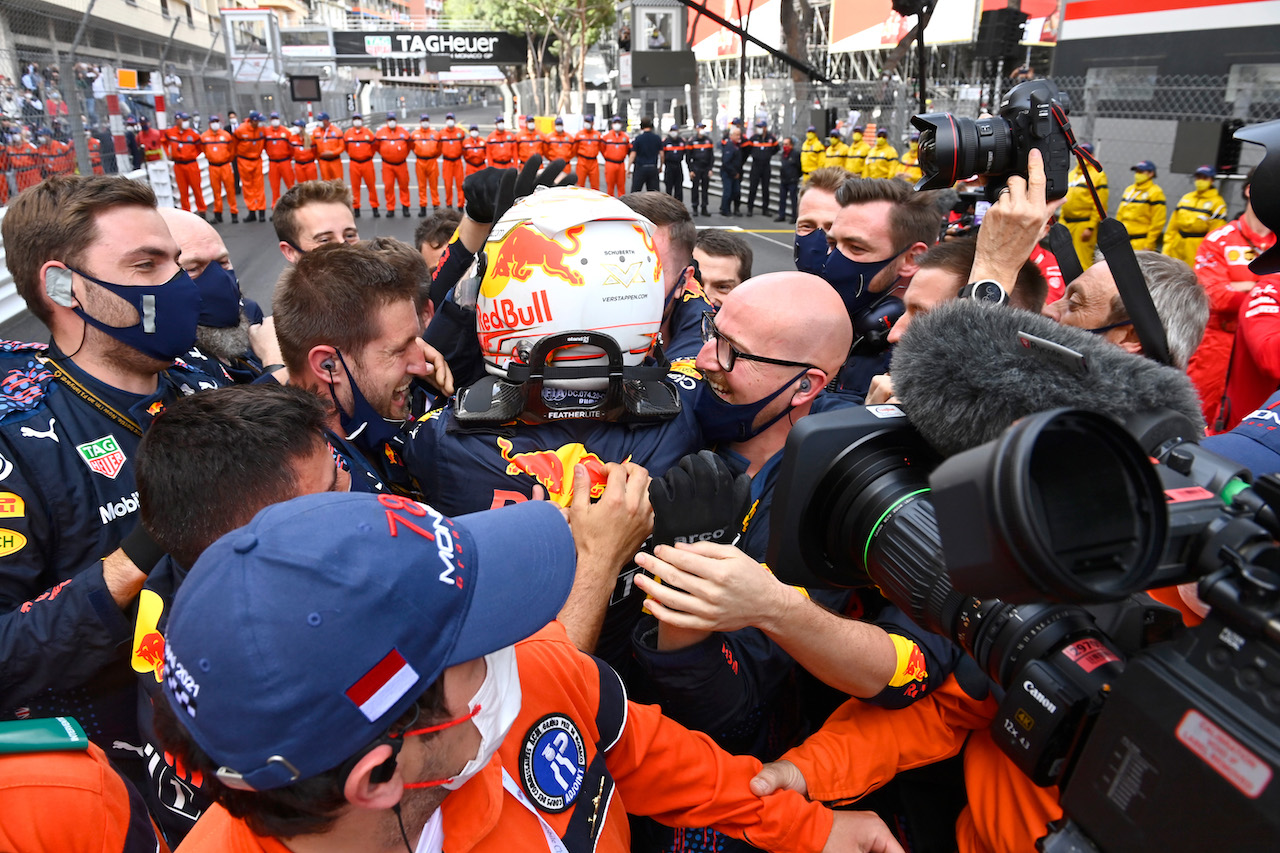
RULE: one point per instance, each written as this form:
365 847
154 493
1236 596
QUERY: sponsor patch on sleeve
553 763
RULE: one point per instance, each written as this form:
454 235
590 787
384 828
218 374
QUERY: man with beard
228 323
348 328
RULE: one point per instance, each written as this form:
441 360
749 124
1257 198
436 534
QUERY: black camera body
1032 115
1174 746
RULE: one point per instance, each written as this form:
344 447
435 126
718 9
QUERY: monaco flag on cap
381 687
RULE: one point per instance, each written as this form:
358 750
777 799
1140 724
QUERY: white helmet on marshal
569 259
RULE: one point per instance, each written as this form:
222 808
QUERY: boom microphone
966 371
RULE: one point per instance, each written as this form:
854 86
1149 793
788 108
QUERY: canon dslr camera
1032 115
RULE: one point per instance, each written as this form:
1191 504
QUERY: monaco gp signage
458 47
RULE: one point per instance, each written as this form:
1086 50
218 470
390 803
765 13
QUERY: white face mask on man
499 698
358 123
213 125
449 123
275 122
183 125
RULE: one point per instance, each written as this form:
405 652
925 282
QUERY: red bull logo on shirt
553 469
912 666
524 250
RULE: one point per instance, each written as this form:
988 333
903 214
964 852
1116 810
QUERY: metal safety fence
1129 115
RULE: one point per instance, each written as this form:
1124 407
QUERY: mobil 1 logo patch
553 762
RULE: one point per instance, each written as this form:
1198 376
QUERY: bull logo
526 249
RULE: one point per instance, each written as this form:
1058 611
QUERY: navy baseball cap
499 119
882 133
1086 146
424 117
182 116
558 120
390 116
323 116
300 122
214 118
357 116
813 128
702 124
1255 442
589 119
275 115
762 123
298 639
448 115
474 127
1204 172
616 118
857 128
254 115
1143 166
737 122
676 128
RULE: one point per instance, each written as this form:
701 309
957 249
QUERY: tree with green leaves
553 27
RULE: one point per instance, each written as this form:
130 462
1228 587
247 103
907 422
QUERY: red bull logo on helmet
506 314
525 249
553 469
653 248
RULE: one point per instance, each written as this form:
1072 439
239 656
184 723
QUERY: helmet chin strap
632 394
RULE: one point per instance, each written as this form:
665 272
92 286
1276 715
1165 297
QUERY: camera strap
1065 252
1113 240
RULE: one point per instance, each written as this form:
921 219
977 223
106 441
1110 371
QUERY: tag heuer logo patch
103 456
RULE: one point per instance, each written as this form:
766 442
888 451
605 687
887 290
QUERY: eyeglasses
727 354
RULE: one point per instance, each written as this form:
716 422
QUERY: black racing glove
699 500
491 192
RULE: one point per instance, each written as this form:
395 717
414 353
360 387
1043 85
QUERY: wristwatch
988 290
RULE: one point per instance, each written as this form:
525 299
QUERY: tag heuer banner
455 46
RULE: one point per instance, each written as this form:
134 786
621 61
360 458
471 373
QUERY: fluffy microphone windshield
963 375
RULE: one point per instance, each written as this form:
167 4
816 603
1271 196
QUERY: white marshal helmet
568 259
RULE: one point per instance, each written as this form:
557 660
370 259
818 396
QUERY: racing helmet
568 259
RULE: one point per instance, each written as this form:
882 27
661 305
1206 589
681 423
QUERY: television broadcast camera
1031 115
1176 748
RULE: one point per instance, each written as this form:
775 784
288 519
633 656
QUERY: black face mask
364 427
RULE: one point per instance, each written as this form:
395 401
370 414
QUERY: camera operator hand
706 587
1013 225
880 390
606 533
712 587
